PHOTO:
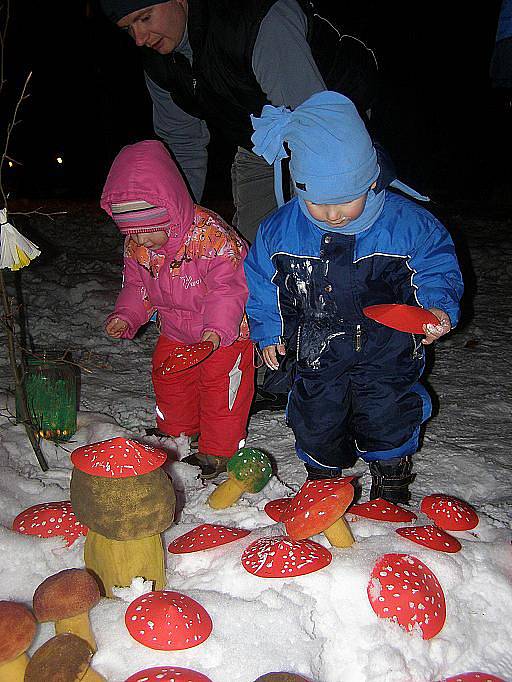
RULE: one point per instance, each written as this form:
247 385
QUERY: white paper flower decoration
16 250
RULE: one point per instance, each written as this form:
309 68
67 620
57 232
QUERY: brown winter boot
210 465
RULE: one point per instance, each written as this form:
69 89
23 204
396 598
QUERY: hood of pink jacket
145 171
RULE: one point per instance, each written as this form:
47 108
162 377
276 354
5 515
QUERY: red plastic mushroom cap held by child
281 557
168 674
207 536
449 513
431 537
186 356
403 318
473 677
117 458
50 520
382 510
317 505
168 621
404 590
275 508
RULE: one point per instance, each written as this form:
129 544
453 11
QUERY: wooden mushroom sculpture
280 557
473 677
249 471
65 658
120 491
382 510
449 513
168 674
431 537
318 507
66 599
50 520
206 536
17 630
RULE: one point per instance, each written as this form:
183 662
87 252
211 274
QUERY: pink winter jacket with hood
196 280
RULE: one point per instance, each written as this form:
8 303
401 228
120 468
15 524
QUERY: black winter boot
391 479
321 474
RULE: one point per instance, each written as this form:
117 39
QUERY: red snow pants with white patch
211 398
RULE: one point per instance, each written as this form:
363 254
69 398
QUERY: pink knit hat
132 217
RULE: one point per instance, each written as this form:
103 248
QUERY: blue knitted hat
333 160
117 9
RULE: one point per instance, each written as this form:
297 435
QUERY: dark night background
447 130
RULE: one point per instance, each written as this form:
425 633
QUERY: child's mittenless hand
270 355
116 327
435 331
211 336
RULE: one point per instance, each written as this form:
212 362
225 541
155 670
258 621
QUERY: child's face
151 240
337 216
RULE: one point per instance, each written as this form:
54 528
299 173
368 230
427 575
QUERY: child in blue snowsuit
335 248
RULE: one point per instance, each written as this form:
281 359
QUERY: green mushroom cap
250 467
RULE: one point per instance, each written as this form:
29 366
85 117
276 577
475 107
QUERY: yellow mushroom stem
116 562
92 676
339 534
14 670
227 493
77 625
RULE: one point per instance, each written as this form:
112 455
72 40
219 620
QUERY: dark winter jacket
307 285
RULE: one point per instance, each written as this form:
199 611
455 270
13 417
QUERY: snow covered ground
319 625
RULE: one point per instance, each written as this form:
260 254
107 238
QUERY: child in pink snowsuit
185 263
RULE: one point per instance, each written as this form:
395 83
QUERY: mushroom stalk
14 671
78 625
339 534
226 494
116 562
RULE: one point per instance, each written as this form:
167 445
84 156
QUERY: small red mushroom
319 507
275 508
431 537
281 557
449 513
117 458
404 590
50 520
168 674
404 318
207 536
473 677
168 621
185 356
382 510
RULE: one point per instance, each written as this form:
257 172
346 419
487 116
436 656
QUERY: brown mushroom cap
124 508
65 594
17 630
63 658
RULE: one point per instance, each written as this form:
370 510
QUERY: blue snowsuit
356 390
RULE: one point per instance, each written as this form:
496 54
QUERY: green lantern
51 387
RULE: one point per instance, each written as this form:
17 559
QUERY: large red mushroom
431 537
120 491
382 510
207 536
50 520
280 557
168 674
449 513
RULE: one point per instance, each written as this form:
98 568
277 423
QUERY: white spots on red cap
431 537
206 536
449 513
408 593
382 510
117 458
167 621
275 508
281 557
185 356
50 519
168 674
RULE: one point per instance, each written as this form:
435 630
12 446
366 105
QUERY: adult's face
160 27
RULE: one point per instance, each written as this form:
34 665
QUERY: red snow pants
211 398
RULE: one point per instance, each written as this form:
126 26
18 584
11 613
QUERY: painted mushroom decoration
473 677
66 599
318 507
249 471
431 537
282 677
206 536
280 557
168 674
120 491
17 630
449 513
167 621
65 658
50 520
382 510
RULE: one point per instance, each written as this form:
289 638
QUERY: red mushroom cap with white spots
207 536
431 537
404 590
281 557
382 510
185 356
168 674
474 677
168 621
317 505
50 520
275 508
117 458
449 513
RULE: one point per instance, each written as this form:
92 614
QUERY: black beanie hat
117 9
